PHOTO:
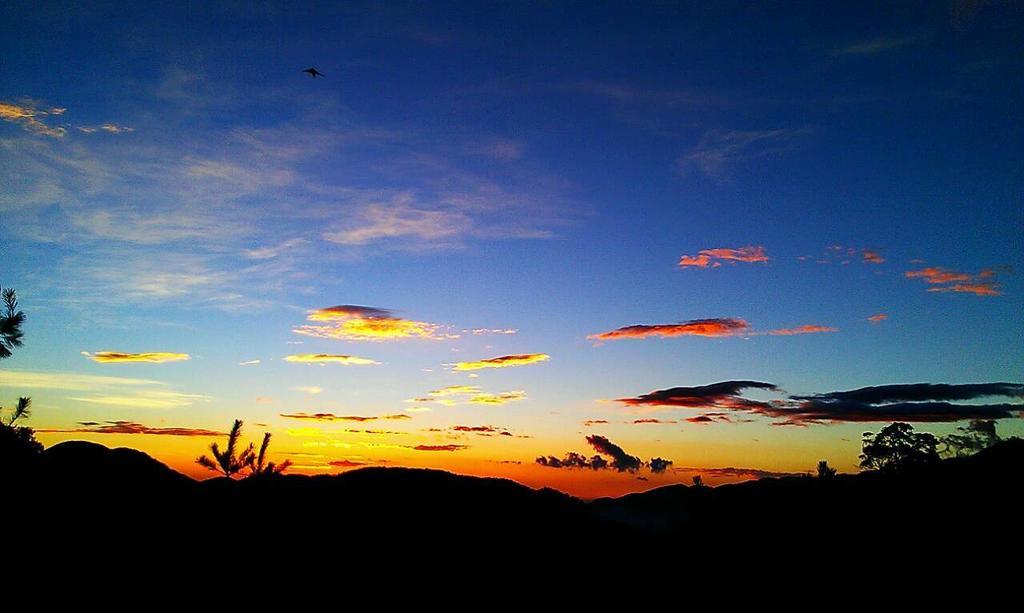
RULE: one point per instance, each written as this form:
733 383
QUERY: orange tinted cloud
440 447
808 329
324 358
333 417
504 361
726 326
30 118
958 282
714 257
360 323
113 357
879 317
978 289
872 257
935 275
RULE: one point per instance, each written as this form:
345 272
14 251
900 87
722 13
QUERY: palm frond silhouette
22 409
229 461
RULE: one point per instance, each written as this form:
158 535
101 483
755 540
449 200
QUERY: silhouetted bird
313 72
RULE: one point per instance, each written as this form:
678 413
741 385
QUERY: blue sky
174 182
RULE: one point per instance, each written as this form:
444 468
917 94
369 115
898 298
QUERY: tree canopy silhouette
897 447
229 461
11 320
970 439
825 471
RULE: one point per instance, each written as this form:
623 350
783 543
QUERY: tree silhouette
227 461
970 439
825 471
897 447
697 481
10 322
260 467
17 443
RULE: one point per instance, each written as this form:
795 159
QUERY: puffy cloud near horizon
719 326
504 361
329 358
362 323
115 357
945 280
713 258
620 460
131 427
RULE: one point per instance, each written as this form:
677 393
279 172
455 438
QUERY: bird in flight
313 72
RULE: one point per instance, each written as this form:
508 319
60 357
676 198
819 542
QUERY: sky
493 233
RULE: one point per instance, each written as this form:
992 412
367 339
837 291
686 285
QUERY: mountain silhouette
119 492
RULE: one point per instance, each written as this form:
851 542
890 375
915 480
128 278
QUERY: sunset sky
493 230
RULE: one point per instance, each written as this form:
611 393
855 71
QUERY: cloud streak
116 357
806 329
945 280
505 361
919 402
131 427
333 417
715 327
31 118
448 447
713 258
329 358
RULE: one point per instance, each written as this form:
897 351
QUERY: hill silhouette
122 491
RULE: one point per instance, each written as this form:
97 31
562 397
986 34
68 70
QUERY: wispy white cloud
876 46
718 150
101 390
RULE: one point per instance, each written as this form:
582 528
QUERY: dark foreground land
121 496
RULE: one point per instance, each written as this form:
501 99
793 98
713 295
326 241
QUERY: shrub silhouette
18 444
260 467
825 471
897 447
697 481
227 461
